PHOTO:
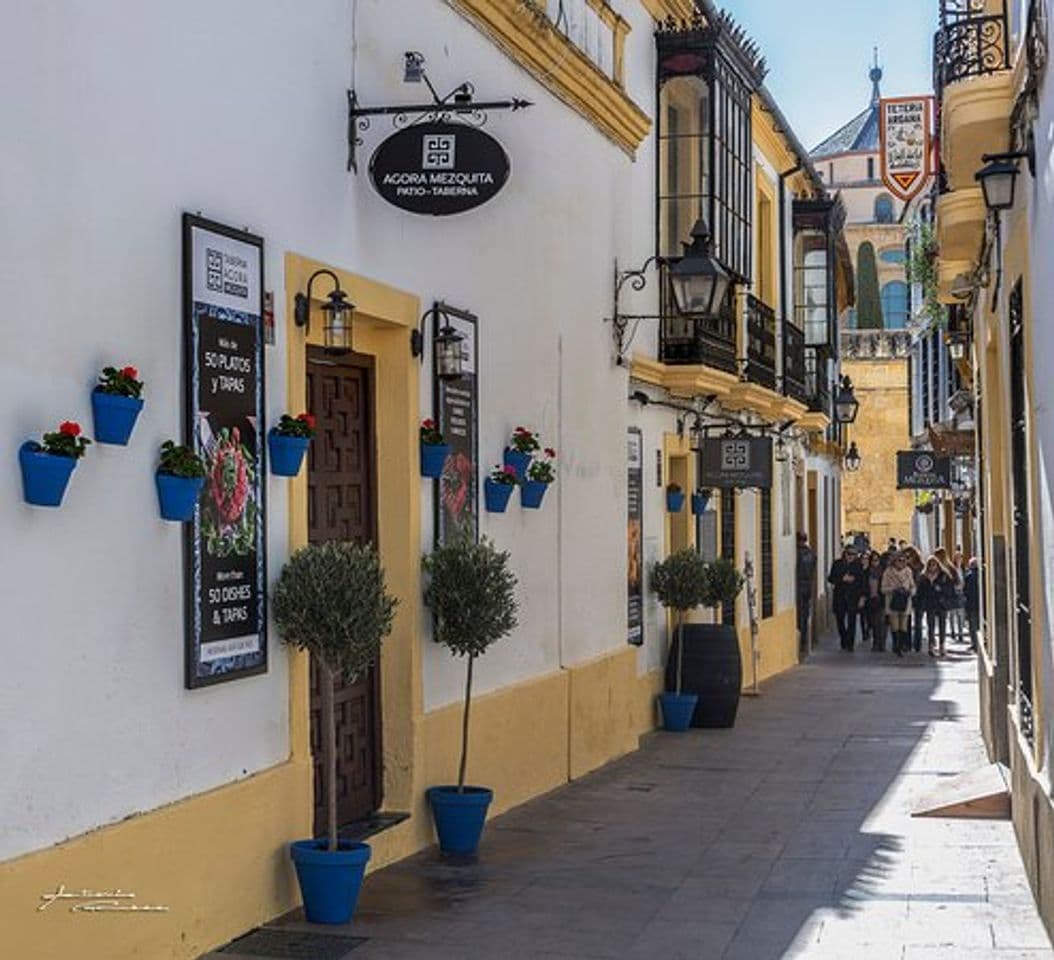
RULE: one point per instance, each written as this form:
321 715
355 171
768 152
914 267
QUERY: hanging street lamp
337 312
958 341
853 458
846 406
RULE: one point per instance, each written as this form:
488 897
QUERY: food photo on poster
226 586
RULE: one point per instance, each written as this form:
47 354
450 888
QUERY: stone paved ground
788 836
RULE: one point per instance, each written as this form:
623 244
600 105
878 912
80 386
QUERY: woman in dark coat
936 595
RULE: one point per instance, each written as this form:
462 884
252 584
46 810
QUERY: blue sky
819 53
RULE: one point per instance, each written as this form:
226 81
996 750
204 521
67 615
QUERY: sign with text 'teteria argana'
906 144
439 169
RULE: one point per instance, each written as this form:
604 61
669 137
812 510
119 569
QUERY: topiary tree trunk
868 296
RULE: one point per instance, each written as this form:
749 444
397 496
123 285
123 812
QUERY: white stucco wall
118 117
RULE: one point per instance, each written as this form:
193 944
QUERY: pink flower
508 468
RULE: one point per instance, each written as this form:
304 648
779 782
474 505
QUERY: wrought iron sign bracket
456 106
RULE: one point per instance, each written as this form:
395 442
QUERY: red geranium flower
131 373
550 452
69 428
308 418
428 423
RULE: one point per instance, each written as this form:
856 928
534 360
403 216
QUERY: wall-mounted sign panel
439 168
921 470
731 463
457 416
906 144
225 566
635 537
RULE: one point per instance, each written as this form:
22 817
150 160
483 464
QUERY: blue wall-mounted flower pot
286 453
518 461
433 459
677 710
531 494
700 502
329 880
459 817
178 496
496 495
44 475
114 416
674 501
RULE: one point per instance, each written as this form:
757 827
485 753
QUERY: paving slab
789 836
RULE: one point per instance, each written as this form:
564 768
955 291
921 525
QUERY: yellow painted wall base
219 860
777 642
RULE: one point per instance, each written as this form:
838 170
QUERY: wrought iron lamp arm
302 302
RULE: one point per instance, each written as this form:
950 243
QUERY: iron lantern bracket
437 310
457 106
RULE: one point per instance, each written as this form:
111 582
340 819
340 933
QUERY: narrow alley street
787 836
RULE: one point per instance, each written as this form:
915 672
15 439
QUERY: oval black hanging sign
439 168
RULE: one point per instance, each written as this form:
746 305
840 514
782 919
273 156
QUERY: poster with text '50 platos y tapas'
226 629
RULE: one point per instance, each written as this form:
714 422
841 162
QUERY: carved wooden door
341 474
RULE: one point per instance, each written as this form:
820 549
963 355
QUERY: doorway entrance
341 503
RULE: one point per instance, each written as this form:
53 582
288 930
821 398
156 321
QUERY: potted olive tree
712 664
679 582
331 600
472 595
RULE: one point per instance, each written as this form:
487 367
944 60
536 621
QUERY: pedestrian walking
898 589
916 564
972 596
847 578
876 604
936 594
957 614
805 582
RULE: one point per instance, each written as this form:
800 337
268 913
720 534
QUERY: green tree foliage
472 593
680 584
868 295
723 583
331 599
922 269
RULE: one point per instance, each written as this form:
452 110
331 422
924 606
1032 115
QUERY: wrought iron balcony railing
875 344
818 379
973 41
794 363
760 366
710 341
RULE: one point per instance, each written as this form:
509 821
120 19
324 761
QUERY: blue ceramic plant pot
677 710
674 501
518 461
178 496
329 881
531 494
433 459
114 416
459 817
700 502
286 453
44 475
496 495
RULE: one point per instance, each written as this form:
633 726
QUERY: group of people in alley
895 597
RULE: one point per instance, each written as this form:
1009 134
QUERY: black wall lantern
846 406
998 177
448 345
699 282
958 341
853 458
337 312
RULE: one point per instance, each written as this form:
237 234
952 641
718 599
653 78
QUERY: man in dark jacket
849 580
805 581
972 589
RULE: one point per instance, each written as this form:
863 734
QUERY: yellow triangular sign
906 179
